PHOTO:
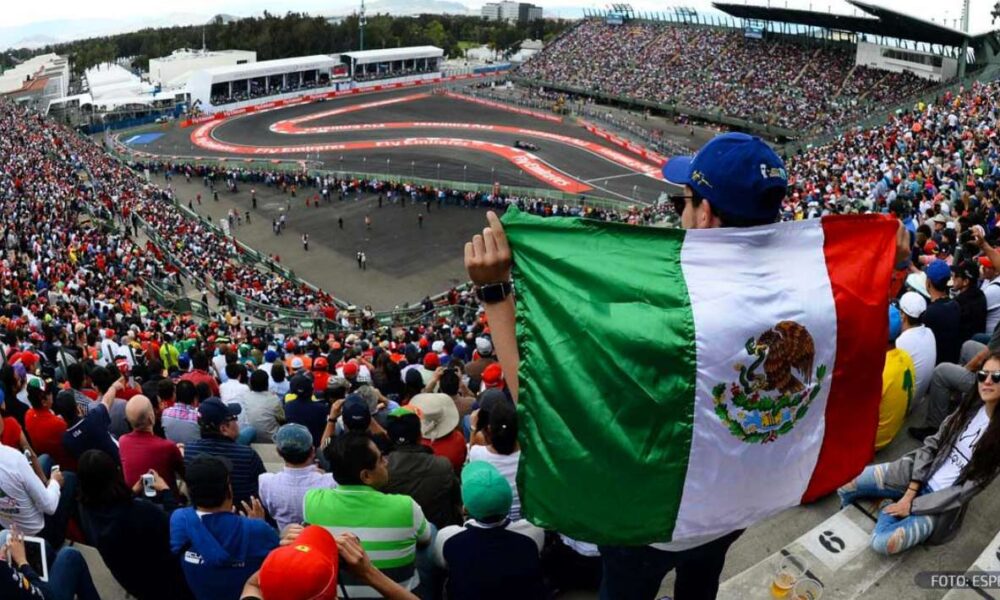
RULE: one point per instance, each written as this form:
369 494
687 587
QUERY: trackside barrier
313 97
712 116
623 143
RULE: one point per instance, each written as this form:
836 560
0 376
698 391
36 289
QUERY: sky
19 15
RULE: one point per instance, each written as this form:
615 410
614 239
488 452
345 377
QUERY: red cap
986 262
29 360
432 361
930 247
350 370
493 376
321 364
306 569
424 343
289 346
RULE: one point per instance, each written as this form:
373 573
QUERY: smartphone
147 485
27 455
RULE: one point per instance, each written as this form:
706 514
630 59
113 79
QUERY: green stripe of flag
606 424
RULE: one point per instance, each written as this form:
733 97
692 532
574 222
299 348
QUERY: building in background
174 71
37 81
114 96
511 12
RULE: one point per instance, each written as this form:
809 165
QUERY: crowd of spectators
401 444
776 82
256 89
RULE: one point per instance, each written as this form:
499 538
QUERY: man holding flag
692 399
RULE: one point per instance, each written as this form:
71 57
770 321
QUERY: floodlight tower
361 24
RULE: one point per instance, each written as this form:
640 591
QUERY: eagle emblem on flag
761 406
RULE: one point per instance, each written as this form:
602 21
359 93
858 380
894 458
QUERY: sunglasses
982 375
678 201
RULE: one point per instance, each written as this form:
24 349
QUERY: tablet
34 549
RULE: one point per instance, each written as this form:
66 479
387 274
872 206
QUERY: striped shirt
246 463
389 526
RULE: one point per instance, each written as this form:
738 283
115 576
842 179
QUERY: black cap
966 269
357 417
301 386
214 412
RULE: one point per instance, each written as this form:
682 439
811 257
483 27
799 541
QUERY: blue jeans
431 576
69 578
54 531
892 535
247 435
636 572
45 462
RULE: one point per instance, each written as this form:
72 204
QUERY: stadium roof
883 22
270 67
365 57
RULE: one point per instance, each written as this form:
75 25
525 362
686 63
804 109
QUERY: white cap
438 346
297 363
912 304
484 346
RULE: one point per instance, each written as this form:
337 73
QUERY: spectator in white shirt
990 284
35 506
918 341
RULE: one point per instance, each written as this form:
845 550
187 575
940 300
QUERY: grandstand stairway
834 553
834 543
805 67
988 562
877 83
843 83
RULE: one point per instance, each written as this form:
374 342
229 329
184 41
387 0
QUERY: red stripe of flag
860 252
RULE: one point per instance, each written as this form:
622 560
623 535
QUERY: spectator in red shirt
439 423
46 428
199 373
142 451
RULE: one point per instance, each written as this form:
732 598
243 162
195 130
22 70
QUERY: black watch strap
492 293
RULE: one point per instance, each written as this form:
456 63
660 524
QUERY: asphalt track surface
415 114
405 262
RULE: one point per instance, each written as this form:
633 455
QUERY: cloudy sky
26 16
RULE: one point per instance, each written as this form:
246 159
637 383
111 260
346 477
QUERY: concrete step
104 581
987 563
864 575
268 453
835 553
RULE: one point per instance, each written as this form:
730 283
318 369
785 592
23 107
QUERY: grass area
465 45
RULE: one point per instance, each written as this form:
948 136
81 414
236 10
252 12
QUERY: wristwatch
492 293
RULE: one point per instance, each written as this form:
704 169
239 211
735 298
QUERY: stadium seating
781 83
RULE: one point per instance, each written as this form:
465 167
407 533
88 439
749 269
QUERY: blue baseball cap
938 272
736 172
895 323
270 356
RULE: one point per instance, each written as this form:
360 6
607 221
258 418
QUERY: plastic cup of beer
789 571
807 589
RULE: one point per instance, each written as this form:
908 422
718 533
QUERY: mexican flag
678 384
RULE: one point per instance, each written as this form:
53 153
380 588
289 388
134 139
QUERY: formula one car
525 145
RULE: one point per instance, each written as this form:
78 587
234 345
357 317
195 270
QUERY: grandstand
115 259
783 72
